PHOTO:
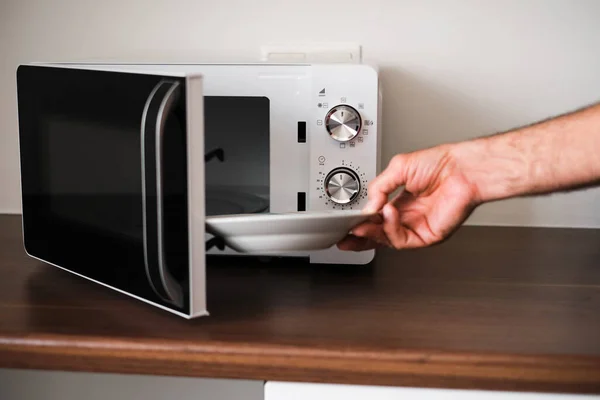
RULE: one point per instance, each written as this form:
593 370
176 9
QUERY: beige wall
451 69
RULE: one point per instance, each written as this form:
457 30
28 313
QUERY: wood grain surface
492 308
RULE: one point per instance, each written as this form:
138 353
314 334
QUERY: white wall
452 69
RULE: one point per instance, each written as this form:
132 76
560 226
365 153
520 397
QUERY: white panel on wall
451 69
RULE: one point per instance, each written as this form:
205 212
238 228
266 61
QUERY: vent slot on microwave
301 201
301 131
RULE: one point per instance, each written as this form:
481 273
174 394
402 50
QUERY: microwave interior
237 155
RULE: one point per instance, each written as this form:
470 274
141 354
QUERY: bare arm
559 154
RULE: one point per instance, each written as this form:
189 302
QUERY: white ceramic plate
277 233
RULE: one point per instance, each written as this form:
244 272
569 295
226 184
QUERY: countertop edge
422 368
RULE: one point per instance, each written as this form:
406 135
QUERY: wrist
494 166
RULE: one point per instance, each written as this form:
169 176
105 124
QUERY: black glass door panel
86 167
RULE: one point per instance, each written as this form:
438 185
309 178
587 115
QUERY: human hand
436 199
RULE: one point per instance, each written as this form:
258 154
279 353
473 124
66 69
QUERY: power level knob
342 185
343 123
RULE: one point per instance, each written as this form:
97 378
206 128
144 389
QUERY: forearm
555 155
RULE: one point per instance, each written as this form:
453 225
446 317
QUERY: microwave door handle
157 108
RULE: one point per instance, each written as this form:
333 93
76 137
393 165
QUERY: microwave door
104 164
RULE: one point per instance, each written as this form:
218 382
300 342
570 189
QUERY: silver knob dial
343 123
342 185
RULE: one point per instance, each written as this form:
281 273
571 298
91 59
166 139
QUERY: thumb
386 183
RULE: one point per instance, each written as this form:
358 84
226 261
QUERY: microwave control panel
344 139
345 144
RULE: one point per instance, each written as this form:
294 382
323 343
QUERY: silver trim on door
169 285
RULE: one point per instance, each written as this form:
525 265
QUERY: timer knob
343 123
342 185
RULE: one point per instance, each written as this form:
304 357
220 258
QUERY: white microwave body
112 151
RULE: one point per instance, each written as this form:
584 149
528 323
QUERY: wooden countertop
492 308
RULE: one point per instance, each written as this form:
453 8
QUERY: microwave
122 163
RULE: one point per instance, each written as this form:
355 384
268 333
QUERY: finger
399 236
376 218
373 219
353 243
386 183
371 231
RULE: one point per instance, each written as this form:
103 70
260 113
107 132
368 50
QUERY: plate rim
304 215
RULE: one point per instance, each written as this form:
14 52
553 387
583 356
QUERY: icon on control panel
361 106
325 105
321 160
322 92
